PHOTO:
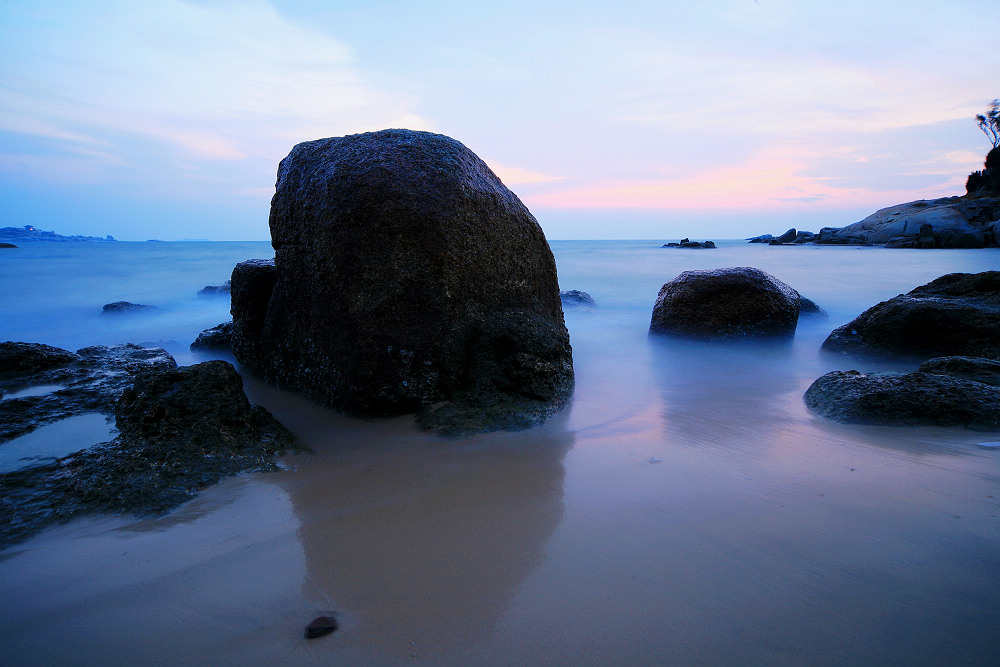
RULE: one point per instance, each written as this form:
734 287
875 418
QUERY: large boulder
955 315
741 302
910 398
405 274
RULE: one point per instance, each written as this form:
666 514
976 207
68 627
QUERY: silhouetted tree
990 123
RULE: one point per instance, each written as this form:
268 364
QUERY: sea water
685 507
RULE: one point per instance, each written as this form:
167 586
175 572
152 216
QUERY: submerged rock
215 290
810 307
955 315
741 302
687 243
911 398
575 298
405 274
126 307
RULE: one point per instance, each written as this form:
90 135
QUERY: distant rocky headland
969 221
27 233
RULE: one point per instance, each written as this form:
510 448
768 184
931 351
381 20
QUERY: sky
632 119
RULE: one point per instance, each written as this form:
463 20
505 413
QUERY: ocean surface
686 508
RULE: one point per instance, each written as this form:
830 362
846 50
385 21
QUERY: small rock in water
126 307
321 626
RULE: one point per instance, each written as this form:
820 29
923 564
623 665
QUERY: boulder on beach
911 398
741 302
406 275
955 315
126 307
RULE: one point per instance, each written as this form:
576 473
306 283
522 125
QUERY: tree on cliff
990 123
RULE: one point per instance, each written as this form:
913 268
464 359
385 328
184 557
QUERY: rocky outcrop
7 245
948 222
575 298
218 337
180 429
911 398
89 381
215 290
740 302
126 307
688 243
405 275
956 314
24 359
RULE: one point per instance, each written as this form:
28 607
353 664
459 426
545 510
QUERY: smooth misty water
686 507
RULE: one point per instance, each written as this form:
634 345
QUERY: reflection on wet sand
419 543
719 392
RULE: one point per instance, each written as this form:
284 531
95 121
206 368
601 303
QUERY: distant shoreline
27 233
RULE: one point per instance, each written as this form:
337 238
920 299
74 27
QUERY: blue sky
716 119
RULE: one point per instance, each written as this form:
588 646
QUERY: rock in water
405 274
911 398
955 315
741 302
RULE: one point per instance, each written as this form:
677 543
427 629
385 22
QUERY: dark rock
252 284
180 429
763 238
948 222
215 290
321 626
804 237
809 307
686 243
89 381
24 359
406 275
900 242
982 370
911 398
7 245
574 298
787 237
726 303
126 307
217 338
955 315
